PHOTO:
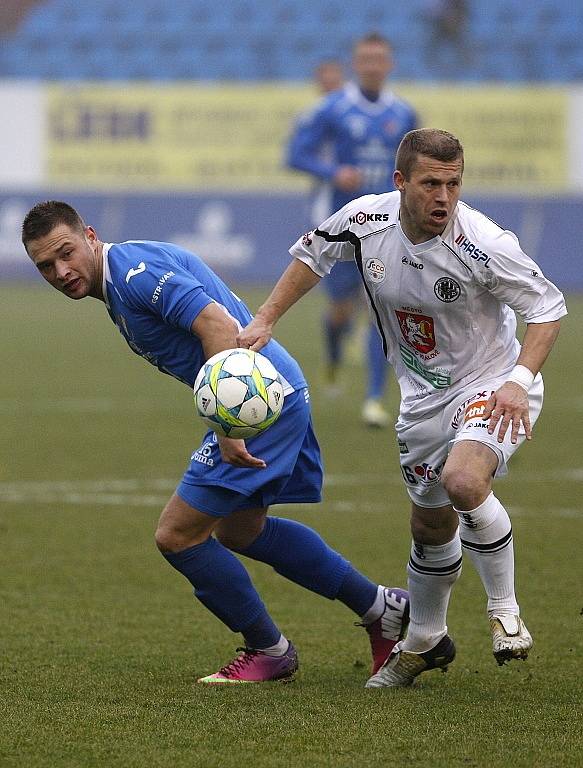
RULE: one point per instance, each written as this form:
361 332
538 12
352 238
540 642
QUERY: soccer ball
238 393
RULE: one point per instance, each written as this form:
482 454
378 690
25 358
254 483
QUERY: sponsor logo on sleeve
472 250
307 239
161 283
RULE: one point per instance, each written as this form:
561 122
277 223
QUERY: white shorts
424 444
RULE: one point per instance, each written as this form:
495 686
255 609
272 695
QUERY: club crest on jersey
418 330
447 289
376 270
307 239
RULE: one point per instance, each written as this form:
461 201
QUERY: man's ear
399 180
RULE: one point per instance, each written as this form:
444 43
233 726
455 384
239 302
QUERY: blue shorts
293 474
343 282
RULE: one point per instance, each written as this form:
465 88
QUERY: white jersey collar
106 272
428 244
355 95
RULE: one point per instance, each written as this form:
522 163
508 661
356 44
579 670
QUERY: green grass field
101 640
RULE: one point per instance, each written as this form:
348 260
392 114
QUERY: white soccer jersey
445 308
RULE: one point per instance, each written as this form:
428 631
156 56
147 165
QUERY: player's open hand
235 452
508 407
255 335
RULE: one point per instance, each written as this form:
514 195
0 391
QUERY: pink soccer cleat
386 631
253 666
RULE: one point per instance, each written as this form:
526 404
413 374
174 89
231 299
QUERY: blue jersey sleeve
304 152
160 285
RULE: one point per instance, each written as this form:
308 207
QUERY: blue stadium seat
510 39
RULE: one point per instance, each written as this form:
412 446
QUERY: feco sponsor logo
161 282
376 270
363 218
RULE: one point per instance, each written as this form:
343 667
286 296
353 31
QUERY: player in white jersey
444 283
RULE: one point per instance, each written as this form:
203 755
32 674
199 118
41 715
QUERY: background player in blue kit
176 313
360 127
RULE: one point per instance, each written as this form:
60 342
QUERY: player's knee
428 531
171 539
465 487
237 534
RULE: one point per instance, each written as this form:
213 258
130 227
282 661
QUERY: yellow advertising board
196 137
186 137
515 138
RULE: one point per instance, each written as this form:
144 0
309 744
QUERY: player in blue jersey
360 126
175 312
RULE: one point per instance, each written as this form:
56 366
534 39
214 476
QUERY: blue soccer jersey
154 291
357 132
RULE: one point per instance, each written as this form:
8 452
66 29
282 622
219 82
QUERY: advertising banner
186 137
197 137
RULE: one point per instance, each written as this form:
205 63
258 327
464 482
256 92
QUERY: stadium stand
253 39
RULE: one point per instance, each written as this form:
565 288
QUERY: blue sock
334 337
222 584
301 555
378 366
357 592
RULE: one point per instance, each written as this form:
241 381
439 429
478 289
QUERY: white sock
278 649
377 608
432 572
486 535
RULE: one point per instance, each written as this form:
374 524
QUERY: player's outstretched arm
295 282
508 406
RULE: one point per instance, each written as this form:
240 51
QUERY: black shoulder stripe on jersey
349 237
461 261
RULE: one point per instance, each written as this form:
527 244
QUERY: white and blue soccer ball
238 393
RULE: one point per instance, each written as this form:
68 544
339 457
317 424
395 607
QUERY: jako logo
362 217
471 249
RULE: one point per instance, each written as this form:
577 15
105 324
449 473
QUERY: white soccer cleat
510 638
373 414
402 667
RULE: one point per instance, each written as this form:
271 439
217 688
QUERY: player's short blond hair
431 142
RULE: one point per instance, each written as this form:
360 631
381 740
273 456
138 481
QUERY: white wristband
522 375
